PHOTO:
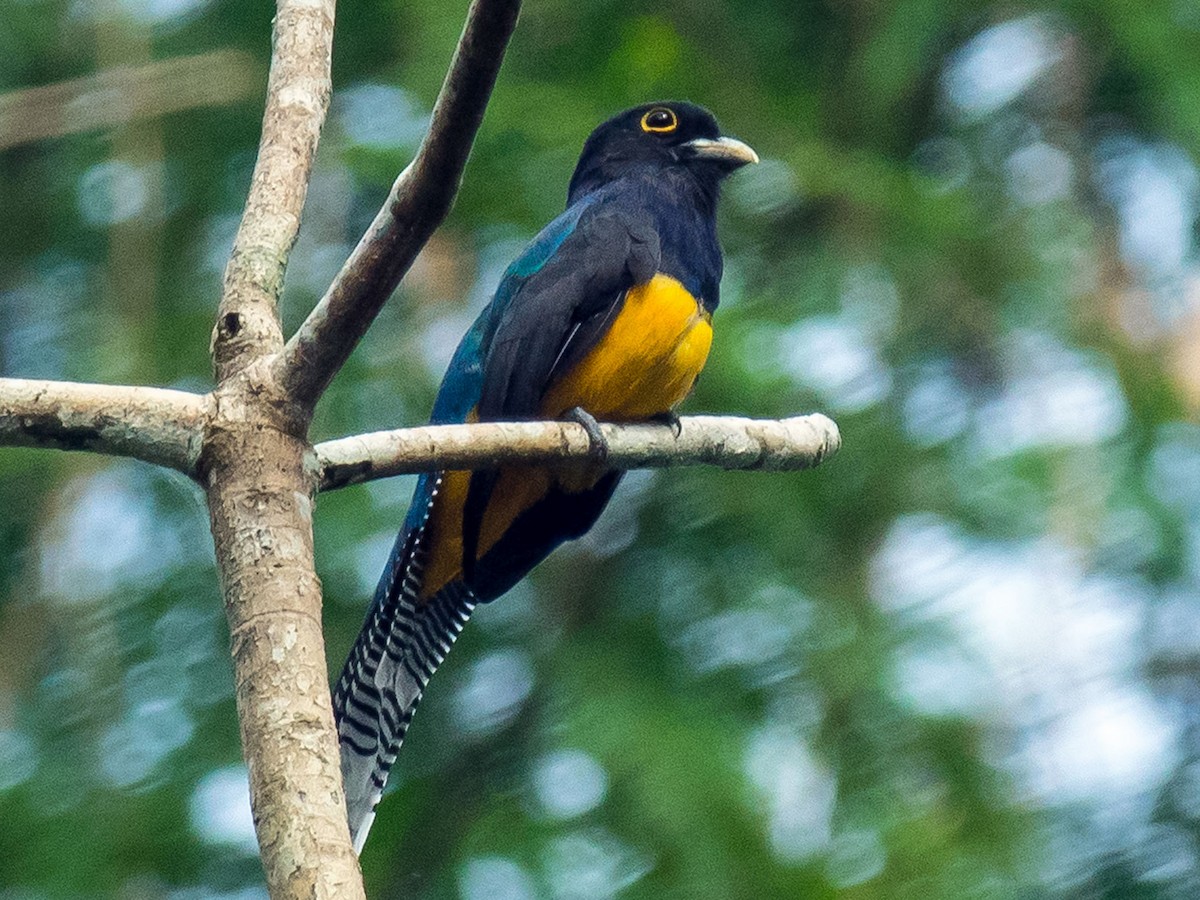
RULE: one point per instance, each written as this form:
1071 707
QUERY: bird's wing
555 317
554 311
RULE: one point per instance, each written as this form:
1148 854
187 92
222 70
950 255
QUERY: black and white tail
401 644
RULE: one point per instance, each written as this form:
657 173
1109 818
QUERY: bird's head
670 135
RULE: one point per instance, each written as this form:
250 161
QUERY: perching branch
726 441
166 427
151 424
417 204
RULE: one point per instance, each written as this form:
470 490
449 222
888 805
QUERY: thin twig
417 204
155 425
726 441
298 91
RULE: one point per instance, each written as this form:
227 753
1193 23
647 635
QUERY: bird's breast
646 362
644 365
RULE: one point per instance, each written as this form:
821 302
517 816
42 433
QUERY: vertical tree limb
260 502
417 204
298 92
256 466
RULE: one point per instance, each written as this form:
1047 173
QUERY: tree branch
155 425
417 204
726 441
256 467
298 92
147 92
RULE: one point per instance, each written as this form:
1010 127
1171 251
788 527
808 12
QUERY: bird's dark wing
548 318
556 316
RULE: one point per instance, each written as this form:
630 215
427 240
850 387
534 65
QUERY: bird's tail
401 644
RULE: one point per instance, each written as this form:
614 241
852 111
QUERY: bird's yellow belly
644 365
646 362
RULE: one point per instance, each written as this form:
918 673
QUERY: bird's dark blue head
664 138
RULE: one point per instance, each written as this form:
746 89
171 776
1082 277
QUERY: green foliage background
960 661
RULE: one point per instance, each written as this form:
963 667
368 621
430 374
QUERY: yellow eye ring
660 120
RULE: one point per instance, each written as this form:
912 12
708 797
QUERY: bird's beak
725 150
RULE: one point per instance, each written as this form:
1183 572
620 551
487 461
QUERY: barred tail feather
401 644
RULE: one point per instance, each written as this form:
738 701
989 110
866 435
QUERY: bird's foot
671 419
597 444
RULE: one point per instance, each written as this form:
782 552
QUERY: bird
605 316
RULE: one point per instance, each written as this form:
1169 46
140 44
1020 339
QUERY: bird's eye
660 120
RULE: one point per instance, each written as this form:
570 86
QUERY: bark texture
298 92
260 482
151 424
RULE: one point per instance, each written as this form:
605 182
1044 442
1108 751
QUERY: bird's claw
597 443
671 419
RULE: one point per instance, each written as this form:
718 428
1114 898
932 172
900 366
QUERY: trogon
606 315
